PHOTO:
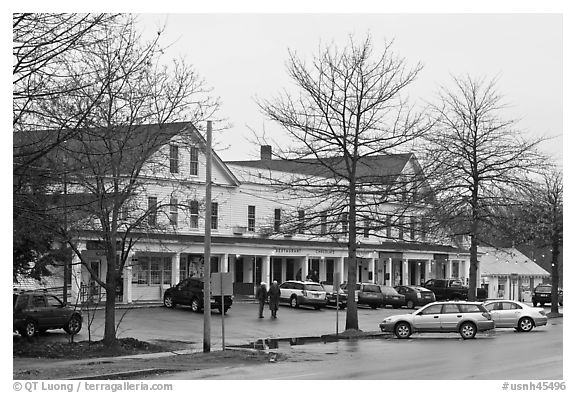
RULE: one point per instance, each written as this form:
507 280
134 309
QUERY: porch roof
507 261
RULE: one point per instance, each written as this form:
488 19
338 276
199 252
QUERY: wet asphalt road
500 355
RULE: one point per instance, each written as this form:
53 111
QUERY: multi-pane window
424 230
173 159
277 219
323 223
152 271
194 214
152 210
194 161
389 226
174 212
251 218
301 217
366 228
344 221
412 228
401 227
214 216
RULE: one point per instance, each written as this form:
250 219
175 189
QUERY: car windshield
328 288
544 288
388 291
345 286
314 287
372 288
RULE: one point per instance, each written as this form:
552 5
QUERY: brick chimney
266 152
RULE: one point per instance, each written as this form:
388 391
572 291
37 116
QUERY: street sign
221 284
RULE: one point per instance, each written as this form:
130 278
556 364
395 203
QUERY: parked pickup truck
447 289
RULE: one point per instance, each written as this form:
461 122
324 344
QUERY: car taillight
304 292
487 315
418 295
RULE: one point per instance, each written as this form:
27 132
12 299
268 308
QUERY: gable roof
506 261
116 149
381 168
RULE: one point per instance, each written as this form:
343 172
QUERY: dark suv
543 294
190 292
36 312
368 294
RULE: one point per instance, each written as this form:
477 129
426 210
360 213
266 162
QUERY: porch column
427 270
466 274
127 280
372 269
404 272
340 268
389 272
224 268
449 270
266 270
175 268
76 273
304 267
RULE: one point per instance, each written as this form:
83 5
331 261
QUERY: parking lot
241 324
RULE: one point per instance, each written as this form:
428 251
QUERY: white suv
303 293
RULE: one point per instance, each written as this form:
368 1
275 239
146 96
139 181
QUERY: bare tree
474 160
349 111
120 147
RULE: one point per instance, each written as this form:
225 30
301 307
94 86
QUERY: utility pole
207 237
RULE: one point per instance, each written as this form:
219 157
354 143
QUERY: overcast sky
242 56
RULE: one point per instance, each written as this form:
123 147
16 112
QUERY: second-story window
412 228
174 212
277 219
401 227
344 221
193 161
366 228
251 218
389 226
152 210
301 218
173 159
193 214
323 223
214 216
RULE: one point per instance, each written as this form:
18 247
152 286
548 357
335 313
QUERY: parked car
367 294
447 289
391 297
513 314
543 294
303 293
465 318
36 312
331 297
415 296
190 292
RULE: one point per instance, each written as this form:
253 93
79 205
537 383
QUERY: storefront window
152 271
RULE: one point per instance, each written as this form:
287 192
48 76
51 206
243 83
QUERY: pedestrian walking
274 298
261 295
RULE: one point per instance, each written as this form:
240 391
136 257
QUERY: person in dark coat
299 275
261 295
274 298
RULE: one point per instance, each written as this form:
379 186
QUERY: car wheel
196 306
30 329
534 304
395 306
294 302
168 301
342 306
373 306
402 330
410 304
74 325
225 310
525 324
467 330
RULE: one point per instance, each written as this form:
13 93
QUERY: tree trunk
351 308
473 273
110 316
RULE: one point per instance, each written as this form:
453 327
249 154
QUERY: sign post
221 284
337 286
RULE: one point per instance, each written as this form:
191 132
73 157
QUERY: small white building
506 273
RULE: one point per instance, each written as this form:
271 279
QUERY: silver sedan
513 314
